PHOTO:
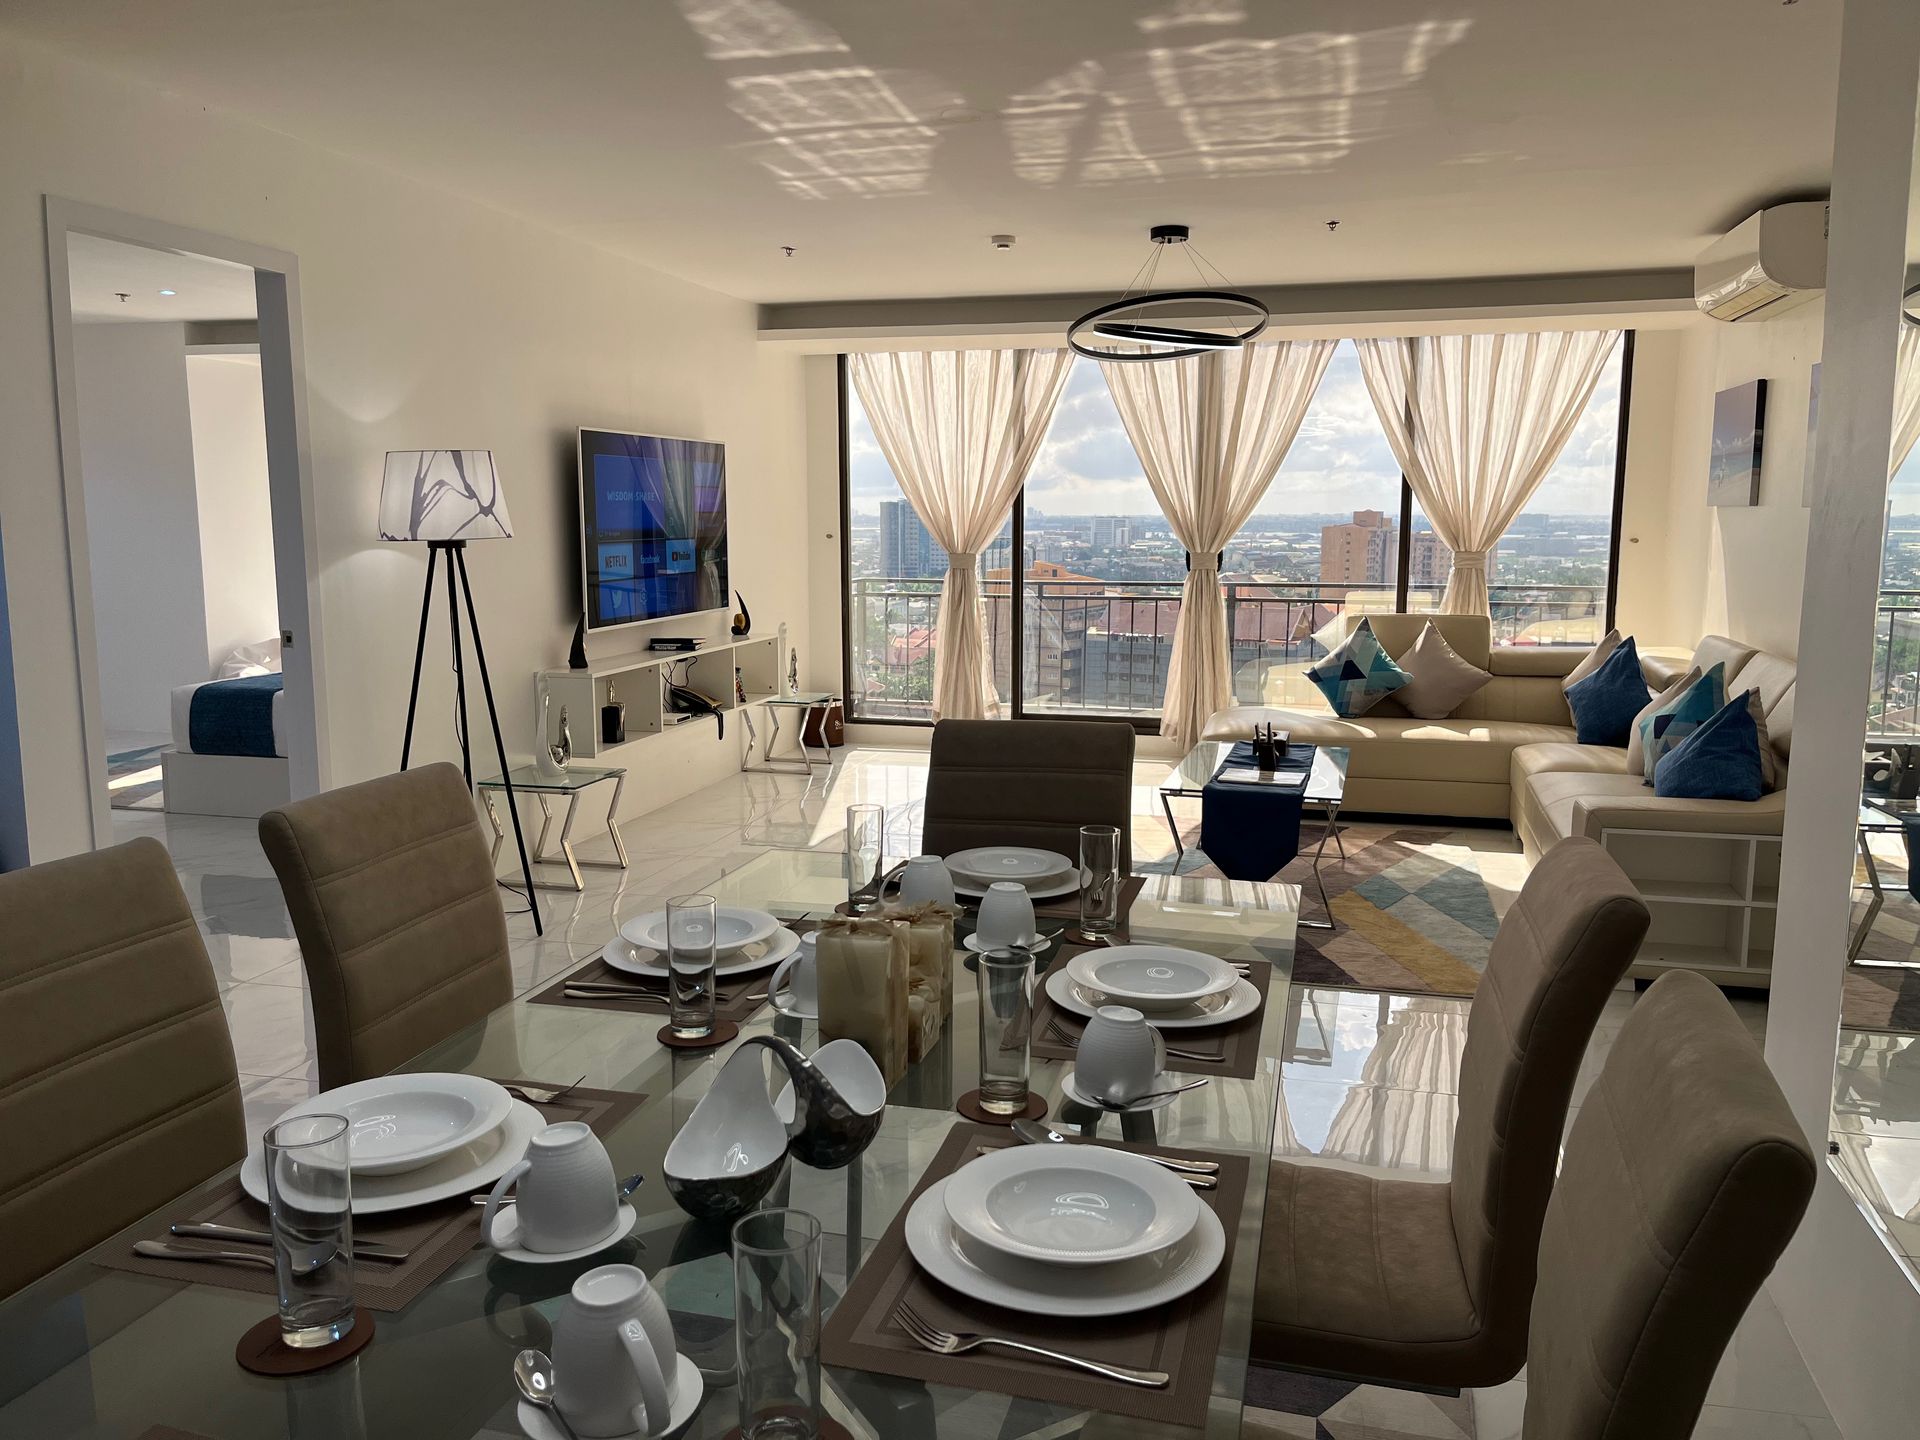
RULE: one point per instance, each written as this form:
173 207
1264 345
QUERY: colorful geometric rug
133 779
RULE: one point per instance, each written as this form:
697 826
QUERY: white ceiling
100 271
887 139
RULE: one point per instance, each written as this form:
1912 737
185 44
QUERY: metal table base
566 857
1330 830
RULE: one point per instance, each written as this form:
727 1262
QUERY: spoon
1033 1132
533 1374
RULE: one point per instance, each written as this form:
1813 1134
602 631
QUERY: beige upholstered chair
392 894
1427 1284
1028 782
1684 1177
117 1082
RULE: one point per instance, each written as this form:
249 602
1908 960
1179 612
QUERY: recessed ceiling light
169 292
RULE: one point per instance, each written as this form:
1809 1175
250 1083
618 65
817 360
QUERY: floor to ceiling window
1089 624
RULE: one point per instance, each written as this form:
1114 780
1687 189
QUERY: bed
229 754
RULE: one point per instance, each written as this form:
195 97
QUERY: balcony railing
1102 648
1893 705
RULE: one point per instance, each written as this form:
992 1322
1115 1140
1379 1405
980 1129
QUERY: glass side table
806 702
529 780
1879 815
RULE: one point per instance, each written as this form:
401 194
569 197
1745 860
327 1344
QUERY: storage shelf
1689 892
1713 898
639 680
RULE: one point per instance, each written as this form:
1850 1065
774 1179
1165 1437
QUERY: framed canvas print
1733 469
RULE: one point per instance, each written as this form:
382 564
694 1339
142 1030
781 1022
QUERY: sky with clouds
1340 460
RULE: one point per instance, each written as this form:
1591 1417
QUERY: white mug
925 878
568 1196
1006 915
1118 1056
802 998
613 1344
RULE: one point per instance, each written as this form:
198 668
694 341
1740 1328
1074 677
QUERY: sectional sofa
1709 869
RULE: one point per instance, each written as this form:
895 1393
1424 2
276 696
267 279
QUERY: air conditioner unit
1768 263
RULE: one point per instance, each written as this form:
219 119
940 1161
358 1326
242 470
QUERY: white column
1854 1315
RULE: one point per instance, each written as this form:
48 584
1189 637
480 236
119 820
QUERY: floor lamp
445 498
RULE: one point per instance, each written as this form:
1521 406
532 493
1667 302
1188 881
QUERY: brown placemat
437 1237
1237 1044
734 996
1182 1338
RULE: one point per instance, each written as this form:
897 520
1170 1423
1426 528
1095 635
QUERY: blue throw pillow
1358 675
1718 761
1673 722
1605 703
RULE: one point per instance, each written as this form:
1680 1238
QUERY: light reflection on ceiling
758 30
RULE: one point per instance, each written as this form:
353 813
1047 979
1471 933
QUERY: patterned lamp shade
442 495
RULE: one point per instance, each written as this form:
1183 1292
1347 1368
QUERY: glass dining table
94 1352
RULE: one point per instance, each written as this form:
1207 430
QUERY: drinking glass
310 1199
866 836
776 1324
1006 1026
691 959
1099 879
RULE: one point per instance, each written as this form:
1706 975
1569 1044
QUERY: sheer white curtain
960 429
1210 432
1906 396
1476 421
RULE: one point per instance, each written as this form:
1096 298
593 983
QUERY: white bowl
1152 977
1090 1207
402 1122
734 929
1019 863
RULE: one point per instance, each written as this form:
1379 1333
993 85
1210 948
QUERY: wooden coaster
722 1032
969 1106
830 1429
262 1351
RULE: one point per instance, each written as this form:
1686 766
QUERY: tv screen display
653 527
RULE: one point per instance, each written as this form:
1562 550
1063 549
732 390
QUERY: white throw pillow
1769 762
1596 657
1636 750
1442 681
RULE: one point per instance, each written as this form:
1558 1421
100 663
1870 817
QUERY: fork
540 1094
946 1342
1057 1033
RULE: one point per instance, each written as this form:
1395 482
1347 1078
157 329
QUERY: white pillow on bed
261 659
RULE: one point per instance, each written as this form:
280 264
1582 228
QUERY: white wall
136 451
236 512
429 321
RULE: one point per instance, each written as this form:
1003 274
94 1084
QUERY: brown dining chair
392 893
1685 1176
1028 782
118 1089
1429 1284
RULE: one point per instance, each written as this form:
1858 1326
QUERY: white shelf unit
1713 898
640 681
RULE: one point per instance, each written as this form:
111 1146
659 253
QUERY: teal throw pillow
1673 722
1358 675
1719 760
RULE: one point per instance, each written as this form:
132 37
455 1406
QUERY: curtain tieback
1470 560
962 559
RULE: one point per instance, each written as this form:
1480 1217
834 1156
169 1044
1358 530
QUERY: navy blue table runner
1252 831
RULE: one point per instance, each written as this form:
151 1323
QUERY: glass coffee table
529 781
1879 815
1326 789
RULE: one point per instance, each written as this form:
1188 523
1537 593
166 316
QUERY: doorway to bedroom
173 367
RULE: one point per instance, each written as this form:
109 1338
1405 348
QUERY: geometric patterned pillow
1674 721
1358 675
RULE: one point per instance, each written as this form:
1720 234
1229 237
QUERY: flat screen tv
653 527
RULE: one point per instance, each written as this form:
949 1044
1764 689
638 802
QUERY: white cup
567 1196
614 1354
926 878
802 996
1118 1056
1006 915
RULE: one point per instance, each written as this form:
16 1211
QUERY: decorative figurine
739 686
793 671
577 657
742 621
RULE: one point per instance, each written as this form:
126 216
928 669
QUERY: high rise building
907 551
1360 553
1112 532
1429 562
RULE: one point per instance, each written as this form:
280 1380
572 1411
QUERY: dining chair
1419 1283
118 1089
1028 782
1685 1176
393 898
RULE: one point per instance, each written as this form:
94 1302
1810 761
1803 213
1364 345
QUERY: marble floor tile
272 1027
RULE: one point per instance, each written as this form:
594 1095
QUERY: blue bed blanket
233 717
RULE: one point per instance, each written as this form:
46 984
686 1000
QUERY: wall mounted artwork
1733 470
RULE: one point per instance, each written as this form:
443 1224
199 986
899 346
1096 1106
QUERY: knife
208 1230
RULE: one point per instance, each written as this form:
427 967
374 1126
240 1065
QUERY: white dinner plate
985 864
1069 886
761 955
1165 1080
1072 1291
1241 1000
401 1122
536 1424
734 928
506 1226
1071 1205
470 1168
1152 978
